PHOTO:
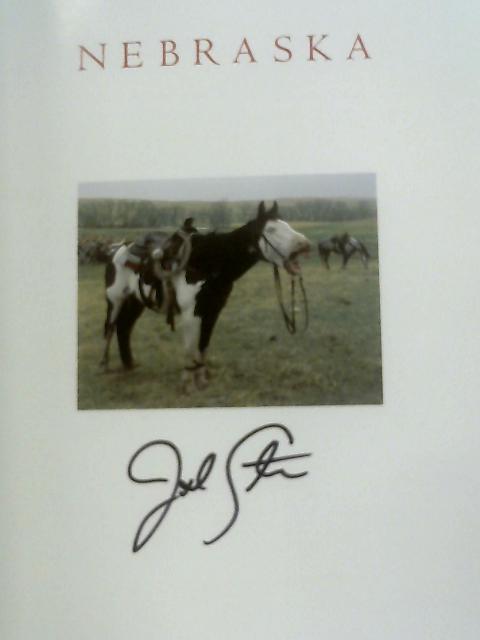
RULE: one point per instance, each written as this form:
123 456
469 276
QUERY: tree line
147 214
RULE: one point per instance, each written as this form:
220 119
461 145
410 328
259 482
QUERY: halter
290 320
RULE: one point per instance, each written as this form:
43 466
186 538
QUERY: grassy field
252 358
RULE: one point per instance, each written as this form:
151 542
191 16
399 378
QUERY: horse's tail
109 280
129 313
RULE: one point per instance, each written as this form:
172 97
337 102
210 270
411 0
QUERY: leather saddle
143 246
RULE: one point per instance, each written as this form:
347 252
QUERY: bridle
289 319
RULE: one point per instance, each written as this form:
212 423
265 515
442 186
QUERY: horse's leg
113 310
129 313
186 295
209 306
191 335
115 296
108 333
346 257
327 258
365 255
322 254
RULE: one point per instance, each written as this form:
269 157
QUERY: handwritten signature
262 467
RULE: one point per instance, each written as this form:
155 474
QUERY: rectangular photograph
229 292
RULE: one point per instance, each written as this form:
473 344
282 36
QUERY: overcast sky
241 188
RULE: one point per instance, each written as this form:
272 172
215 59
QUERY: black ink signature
180 488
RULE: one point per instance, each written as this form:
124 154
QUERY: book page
240 324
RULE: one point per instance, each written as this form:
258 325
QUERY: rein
289 319
169 293
165 275
147 300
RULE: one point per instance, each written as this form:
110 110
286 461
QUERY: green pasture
253 360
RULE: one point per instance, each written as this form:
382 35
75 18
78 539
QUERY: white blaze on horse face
280 245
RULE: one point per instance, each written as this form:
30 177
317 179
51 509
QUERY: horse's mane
228 254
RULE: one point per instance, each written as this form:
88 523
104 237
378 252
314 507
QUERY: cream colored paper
380 540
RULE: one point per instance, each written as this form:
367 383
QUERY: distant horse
93 251
345 245
200 270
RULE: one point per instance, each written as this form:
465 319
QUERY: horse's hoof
104 366
201 378
188 388
187 383
131 366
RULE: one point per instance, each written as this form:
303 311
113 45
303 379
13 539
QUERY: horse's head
279 244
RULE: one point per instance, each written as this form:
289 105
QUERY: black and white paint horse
344 245
202 286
